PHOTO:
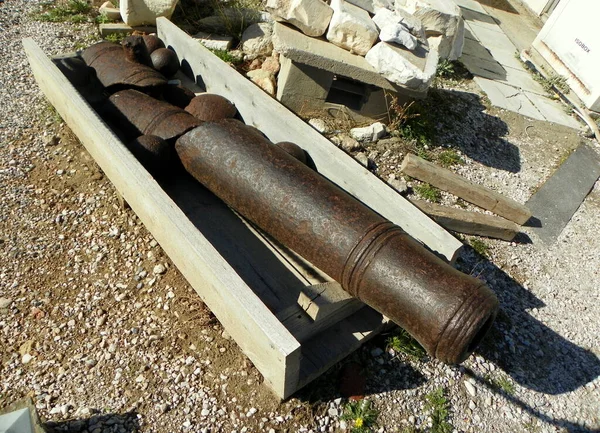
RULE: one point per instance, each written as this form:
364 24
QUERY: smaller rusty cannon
374 260
124 66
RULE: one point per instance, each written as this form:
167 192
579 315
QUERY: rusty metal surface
152 43
135 50
154 153
178 95
112 67
209 107
294 150
446 311
139 114
165 61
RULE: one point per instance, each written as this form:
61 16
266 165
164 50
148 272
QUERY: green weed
102 19
501 383
445 69
450 70
410 122
403 342
49 113
428 192
480 247
553 81
439 407
421 152
244 13
360 416
227 57
448 158
75 11
116 37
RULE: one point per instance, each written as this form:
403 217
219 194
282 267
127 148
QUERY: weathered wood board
248 284
465 189
279 124
472 223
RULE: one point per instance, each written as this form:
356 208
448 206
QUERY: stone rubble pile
426 29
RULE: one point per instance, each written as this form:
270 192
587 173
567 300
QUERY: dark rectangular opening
353 94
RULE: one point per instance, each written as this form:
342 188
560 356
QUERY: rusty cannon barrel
447 311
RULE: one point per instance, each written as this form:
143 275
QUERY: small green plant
531 427
553 81
448 158
437 404
51 114
116 37
445 69
501 383
237 15
403 342
506 385
226 56
360 416
75 11
480 247
102 19
408 122
429 192
422 152
452 70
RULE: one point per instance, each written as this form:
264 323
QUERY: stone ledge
321 54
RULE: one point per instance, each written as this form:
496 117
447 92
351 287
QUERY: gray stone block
555 203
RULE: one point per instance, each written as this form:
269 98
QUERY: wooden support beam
111 28
479 195
471 223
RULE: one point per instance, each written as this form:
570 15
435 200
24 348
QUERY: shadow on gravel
460 122
530 352
366 376
122 423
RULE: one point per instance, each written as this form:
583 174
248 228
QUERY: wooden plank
261 336
111 28
321 301
465 189
472 223
279 124
326 349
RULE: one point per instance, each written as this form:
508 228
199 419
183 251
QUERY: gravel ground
101 330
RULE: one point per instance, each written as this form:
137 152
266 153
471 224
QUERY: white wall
569 42
536 6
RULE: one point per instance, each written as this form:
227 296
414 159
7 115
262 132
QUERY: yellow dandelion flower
358 422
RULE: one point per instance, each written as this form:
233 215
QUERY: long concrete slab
323 55
555 203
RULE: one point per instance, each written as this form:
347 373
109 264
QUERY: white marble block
310 16
411 70
398 34
140 12
351 28
439 18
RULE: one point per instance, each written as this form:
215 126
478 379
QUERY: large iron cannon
374 260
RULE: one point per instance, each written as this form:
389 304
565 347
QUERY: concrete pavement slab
495 71
553 111
471 5
504 56
555 203
489 38
508 97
